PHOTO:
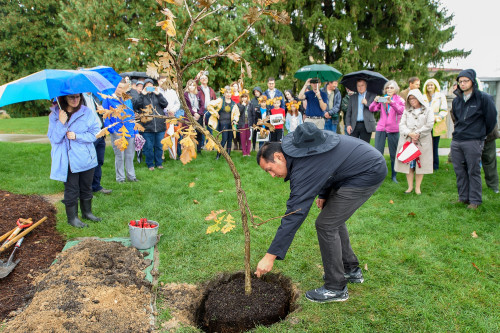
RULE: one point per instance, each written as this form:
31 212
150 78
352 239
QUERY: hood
258 89
470 74
436 84
418 95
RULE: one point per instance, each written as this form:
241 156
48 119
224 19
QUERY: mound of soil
226 308
95 286
37 252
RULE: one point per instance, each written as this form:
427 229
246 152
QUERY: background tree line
396 38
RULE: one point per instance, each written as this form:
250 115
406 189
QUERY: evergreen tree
95 32
397 38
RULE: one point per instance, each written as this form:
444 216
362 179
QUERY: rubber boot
72 213
394 178
86 206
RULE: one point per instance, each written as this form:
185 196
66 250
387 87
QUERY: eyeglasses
463 81
73 97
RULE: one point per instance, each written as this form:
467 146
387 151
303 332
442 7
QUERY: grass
34 125
418 250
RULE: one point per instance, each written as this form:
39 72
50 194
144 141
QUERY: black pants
100 149
334 244
78 186
277 135
435 149
359 131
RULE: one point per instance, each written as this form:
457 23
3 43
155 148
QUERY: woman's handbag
408 152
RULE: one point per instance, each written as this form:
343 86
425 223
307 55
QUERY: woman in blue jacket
72 131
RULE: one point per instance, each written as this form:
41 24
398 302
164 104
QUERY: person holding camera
316 102
391 108
155 128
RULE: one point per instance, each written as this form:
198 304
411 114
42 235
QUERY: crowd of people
393 116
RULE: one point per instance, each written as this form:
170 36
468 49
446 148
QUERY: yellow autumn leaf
102 132
167 143
213 228
210 145
213 215
139 127
473 234
124 131
192 184
227 228
121 143
185 157
229 218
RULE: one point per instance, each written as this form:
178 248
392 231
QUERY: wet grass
33 125
424 272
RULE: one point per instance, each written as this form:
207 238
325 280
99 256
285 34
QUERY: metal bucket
143 238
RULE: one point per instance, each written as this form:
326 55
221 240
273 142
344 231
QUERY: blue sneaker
323 295
355 276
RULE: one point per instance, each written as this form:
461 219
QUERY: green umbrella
324 72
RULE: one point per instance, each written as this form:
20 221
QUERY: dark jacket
201 104
277 93
158 103
243 120
253 106
368 116
203 97
477 117
352 163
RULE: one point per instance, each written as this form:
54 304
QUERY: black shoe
323 295
133 180
218 156
354 276
72 213
86 207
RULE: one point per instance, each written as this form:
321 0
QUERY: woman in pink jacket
391 107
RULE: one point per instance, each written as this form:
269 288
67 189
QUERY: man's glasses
463 81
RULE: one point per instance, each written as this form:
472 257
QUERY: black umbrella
375 81
135 75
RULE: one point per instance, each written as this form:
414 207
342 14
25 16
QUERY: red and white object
408 152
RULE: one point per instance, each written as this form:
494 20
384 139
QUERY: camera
315 80
150 89
383 100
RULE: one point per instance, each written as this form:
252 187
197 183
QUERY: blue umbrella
51 83
110 74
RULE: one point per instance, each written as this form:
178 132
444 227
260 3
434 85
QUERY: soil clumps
95 286
37 252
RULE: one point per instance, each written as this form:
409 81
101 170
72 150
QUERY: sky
476 28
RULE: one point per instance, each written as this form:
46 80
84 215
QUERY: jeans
124 160
392 142
227 136
153 149
100 149
330 126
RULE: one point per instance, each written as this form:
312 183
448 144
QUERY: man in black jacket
343 172
474 116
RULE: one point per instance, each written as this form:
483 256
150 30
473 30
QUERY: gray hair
394 83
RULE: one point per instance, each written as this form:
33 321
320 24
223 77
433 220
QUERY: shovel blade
6 268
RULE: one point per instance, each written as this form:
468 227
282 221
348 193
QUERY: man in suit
359 120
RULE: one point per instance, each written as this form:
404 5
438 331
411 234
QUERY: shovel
7 267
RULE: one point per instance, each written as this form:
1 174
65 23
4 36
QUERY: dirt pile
95 286
37 252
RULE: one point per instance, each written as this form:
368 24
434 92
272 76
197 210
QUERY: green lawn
34 125
418 250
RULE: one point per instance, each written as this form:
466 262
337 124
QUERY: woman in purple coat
391 107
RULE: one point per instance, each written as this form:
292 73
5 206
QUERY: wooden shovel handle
22 234
6 235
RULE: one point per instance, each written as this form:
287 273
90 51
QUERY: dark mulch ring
36 253
226 309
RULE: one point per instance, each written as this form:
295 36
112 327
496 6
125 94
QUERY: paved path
32 138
